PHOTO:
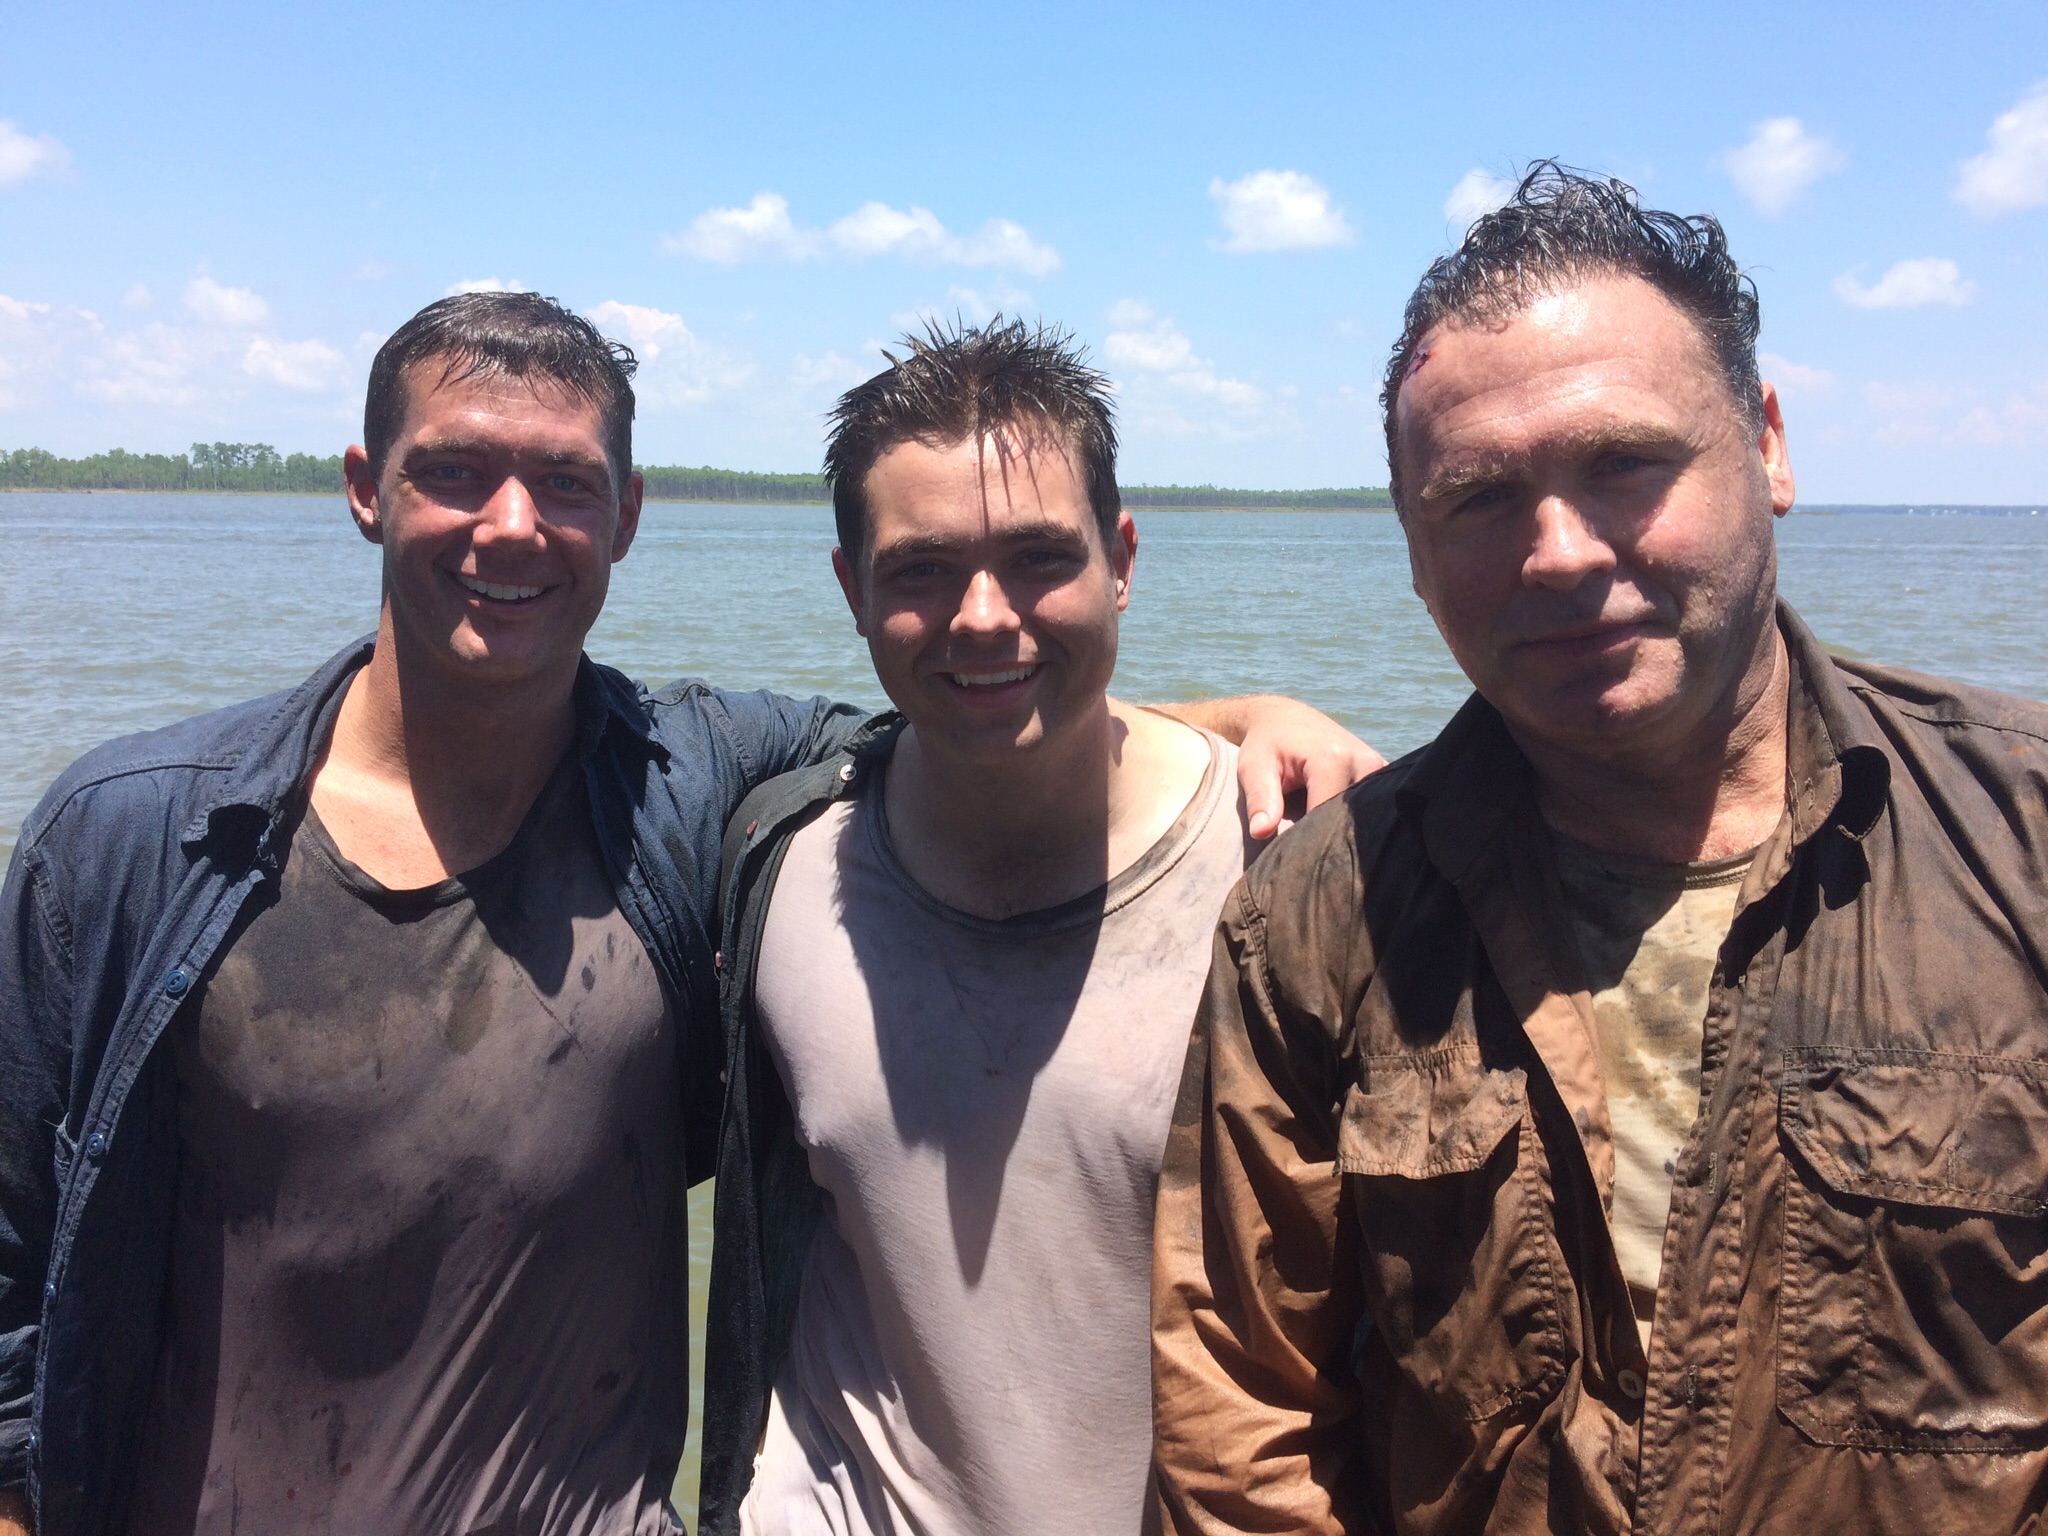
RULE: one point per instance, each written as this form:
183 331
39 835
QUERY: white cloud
1477 194
485 285
1780 161
764 231
232 308
830 373
1908 285
761 231
2013 173
2020 422
677 369
23 155
300 365
876 229
642 327
1908 412
1160 358
1278 211
1794 378
201 373
138 297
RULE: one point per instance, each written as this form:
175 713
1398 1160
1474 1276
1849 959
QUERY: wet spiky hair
960 383
1562 226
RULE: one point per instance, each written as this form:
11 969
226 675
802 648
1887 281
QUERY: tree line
260 467
207 467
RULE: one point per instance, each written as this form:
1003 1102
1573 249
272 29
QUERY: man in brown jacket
1631 1110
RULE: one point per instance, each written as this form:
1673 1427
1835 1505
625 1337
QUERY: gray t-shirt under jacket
426 1271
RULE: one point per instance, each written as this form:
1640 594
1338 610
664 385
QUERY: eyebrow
1047 532
1484 471
477 448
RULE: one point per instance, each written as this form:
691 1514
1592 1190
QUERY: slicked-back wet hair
961 383
504 335
1563 226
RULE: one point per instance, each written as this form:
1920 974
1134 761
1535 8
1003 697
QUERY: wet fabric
1388 1297
984 1105
1648 936
126 891
427 1249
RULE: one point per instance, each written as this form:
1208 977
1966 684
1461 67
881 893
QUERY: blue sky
210 214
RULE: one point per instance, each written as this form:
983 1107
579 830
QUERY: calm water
124 612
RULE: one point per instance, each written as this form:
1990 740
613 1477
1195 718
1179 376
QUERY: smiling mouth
499 592
990 679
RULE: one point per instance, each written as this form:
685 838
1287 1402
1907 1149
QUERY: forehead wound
1422 355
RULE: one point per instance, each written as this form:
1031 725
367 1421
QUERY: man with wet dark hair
960 967
356 1043
1630 1111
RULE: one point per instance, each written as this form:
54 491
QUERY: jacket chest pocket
1445 1173
1913 1312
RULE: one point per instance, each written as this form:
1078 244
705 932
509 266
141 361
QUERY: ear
849 585
1123 558
364 501
630 500
1770 442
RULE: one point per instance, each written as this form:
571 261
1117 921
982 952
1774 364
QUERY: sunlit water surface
128 611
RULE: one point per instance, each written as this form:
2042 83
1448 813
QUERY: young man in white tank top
962 969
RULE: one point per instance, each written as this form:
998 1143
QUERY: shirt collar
1472 780
274 763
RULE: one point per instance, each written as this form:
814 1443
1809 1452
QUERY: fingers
1258 776
1329 776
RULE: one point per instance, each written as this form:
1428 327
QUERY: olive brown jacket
1387 1298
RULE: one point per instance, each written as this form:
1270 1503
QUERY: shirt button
95 1146
1630 1383
846 773
34 1440
49 1290
177 983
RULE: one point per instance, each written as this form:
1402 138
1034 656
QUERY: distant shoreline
1826 509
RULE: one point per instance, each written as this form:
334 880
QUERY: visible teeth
493 589
991 679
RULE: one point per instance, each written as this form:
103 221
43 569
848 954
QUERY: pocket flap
1429 1115
1921 1127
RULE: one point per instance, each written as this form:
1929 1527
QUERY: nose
1566 548
510 516
985 608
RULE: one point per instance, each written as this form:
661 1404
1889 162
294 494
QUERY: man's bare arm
1284 747
15 1518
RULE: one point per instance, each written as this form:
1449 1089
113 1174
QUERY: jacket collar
1472 781
271 768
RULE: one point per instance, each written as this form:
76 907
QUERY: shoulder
154 782
1940 704
1307 894
782 805
1936 728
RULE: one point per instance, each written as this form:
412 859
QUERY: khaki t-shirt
1649 935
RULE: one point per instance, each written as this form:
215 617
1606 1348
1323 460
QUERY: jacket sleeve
775 734
35 971
1256 1295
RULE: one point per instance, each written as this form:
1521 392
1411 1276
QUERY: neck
427 774
1718 793
1054 822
